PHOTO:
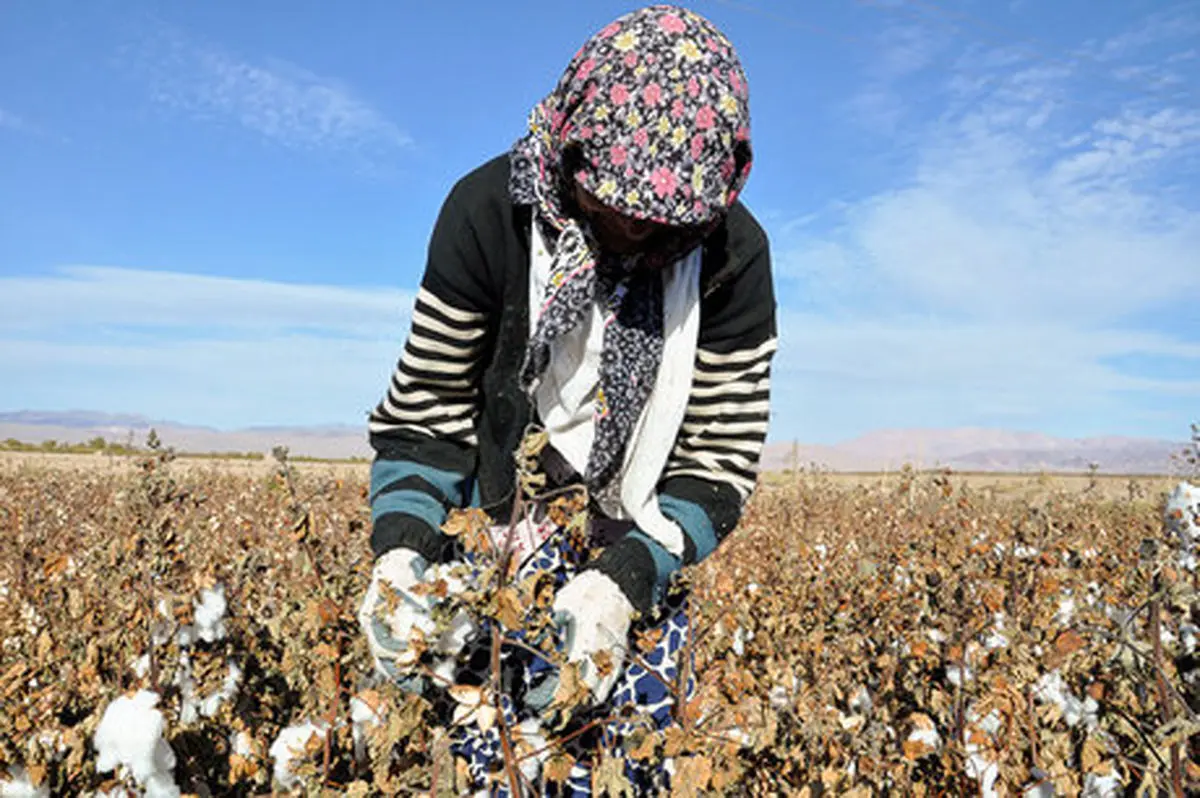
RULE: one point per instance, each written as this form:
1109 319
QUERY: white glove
390 636
595 617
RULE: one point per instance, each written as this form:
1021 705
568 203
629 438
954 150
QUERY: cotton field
168 634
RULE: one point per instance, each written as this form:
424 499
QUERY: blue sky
981 213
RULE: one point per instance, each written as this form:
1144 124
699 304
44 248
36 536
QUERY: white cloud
20 124
98 295
283 102
1009 277
12 121
198 349
1178 24
903 51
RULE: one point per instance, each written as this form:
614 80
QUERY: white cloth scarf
566 392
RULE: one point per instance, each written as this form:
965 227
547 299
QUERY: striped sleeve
713 466
423 429
434 389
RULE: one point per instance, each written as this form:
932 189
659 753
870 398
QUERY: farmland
910 633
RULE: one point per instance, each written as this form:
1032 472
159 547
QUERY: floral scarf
652 118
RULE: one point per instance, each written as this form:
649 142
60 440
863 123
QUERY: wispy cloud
202 349
11 121
281 101
17 123
1036 266
902 51
1177 24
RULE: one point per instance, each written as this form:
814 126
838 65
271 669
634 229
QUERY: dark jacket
454 414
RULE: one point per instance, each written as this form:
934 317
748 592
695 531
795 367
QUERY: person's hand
398 620
594 616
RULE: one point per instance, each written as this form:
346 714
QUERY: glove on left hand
594 616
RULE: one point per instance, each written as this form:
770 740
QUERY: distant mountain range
961 449
979 449
332 441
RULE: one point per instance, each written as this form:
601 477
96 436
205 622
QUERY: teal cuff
695 523
666 564
387 472
413 502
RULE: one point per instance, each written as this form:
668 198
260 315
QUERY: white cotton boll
1182 514
989 724
160 785
984 771
363 719
822 550
995 638
141 666
52 742
1042 790
739 642
861 701
1119 615
530 733
1066 611
779 698
925 732
1098 786
209 614
450 574
160 629
958 675
738 735
979 764
1085 711
288 747
1189 631
189 708
32 618
936 636
241 744
1051 688
130 736
19 785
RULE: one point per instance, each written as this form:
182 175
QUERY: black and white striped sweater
453 415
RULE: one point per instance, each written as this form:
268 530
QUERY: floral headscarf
652 118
